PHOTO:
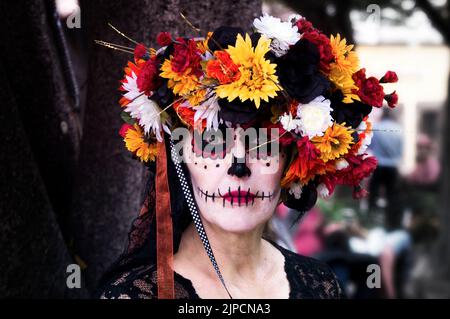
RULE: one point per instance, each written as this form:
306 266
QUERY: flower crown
285 75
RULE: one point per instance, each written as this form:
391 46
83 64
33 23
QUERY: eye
261 146
211 144
214 140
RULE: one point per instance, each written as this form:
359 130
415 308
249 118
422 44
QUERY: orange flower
223 68
306 165
135 143
336 142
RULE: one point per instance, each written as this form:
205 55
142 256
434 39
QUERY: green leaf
126 117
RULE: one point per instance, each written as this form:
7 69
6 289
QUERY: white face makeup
231 193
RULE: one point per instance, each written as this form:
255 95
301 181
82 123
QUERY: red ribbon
164 231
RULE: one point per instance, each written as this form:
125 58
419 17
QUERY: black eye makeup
259 145
214 144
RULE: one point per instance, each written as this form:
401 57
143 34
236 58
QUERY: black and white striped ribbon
194 212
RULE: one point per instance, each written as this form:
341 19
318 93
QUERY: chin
236 219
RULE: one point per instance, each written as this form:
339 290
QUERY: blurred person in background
387 146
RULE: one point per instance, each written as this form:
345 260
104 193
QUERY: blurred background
69 190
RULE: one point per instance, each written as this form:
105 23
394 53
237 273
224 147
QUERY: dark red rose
304 25
392 99
164 38
186 55
148 79
389 77
299 74
323 45
369 89
140 51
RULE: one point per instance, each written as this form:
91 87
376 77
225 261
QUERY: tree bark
40 136
107 192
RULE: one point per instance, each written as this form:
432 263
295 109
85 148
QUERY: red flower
124 129
392 99
389 77
369 89
223 68
358 169
148 79
303 168
304 25
186 55
285 137
329 181
322 43
164 38
187 114
359 192
139 51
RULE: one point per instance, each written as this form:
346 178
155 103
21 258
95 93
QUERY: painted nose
239 168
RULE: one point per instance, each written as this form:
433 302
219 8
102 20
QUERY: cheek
205 171
270 170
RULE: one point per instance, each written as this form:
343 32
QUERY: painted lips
235 197
238 196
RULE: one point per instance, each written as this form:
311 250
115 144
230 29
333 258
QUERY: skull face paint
234 190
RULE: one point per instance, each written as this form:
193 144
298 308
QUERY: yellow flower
197 97
345 83
334 143
258 80
346 62
135 143
346 59
182 84
203 45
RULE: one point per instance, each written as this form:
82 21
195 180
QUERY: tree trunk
107 192
40 137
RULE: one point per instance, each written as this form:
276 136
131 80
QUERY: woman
236 124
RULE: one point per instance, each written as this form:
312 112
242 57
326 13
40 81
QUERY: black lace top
308 279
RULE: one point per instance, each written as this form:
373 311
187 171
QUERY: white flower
365 143
288 123
341 164
323 191
209 110
283 34
362 126
144 110
315 117
296 190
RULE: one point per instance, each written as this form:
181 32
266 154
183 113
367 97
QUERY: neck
239 255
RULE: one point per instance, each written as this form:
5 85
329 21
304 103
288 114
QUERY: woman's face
236 184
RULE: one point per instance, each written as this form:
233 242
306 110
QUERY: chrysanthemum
289 123
181 84
345 59
135 143
258 80
207 111
282 34
346 62
336 142
144 110
315 117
